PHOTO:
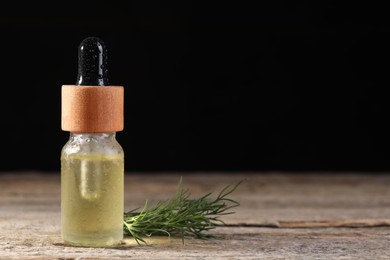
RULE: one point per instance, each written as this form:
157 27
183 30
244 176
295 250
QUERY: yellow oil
92 199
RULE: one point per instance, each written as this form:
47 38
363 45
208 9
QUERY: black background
209 86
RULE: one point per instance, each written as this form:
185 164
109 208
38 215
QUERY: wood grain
282 216
92 109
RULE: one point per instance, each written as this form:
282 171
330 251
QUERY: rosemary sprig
180 216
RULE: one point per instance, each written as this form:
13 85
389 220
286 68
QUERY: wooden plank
237 243
315 217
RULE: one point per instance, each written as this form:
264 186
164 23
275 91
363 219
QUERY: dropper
92 63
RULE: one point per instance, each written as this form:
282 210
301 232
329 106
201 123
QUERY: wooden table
282 216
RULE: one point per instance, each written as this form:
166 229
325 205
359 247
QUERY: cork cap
92 109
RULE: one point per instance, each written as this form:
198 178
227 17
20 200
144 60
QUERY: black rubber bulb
92 63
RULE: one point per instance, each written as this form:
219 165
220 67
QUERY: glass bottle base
93 240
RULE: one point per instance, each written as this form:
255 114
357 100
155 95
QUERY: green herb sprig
180 216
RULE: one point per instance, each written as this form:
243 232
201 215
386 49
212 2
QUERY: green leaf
180 216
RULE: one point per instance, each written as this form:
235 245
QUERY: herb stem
180 216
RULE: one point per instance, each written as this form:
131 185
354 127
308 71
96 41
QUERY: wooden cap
92 109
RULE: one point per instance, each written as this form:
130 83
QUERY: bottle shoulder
97 144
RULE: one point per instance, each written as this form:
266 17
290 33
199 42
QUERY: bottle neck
90 137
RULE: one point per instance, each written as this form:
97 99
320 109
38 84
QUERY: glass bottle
92 161
92 173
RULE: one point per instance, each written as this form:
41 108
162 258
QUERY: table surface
281 216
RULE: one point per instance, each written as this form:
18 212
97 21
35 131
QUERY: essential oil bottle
92 161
